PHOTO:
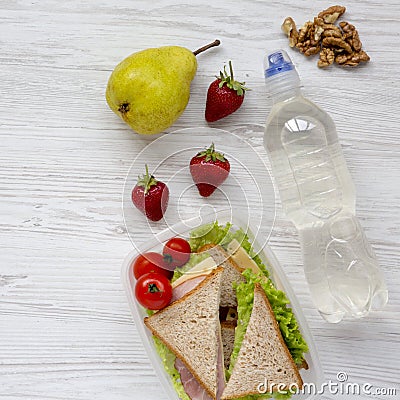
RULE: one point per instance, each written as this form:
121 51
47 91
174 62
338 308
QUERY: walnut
308 40
331 30
304 32
307 48
360 56
312 50
353 59
331 14
351 35
337 43
289 27
340 44
326 57
319 28
340 59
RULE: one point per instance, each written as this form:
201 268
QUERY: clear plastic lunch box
313 376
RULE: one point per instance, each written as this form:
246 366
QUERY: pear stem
206 47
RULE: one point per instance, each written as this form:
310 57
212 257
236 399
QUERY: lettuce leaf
223 235
210 233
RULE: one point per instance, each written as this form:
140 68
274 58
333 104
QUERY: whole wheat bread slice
232 273
189 327
228 339
263 357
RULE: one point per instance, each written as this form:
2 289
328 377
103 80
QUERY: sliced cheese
241 257
202 268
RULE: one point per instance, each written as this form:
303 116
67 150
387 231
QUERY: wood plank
65 328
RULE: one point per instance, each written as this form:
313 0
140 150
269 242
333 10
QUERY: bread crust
206 247
218 270
303 365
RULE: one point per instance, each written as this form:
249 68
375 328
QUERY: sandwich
220 337
264 363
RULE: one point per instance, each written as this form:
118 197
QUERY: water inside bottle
305 145
307 159
318 194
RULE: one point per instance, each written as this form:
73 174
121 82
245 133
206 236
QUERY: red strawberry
209 169
150 196
224 96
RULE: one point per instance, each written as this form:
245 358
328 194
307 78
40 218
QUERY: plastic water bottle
318 195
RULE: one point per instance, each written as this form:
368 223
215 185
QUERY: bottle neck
283 86
286 95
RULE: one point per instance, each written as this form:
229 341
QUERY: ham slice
192 387
186 287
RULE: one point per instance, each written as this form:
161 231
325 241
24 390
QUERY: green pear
150 89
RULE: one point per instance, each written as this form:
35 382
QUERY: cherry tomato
150 262
176 252
153 291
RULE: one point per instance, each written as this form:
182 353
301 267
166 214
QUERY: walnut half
326 58
353 59
289 27
350 34
338 44
332 14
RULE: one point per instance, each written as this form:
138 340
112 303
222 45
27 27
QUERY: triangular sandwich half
190 328
263 358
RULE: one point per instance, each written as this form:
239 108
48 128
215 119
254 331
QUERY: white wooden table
65 328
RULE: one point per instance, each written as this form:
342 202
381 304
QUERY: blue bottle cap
278 62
